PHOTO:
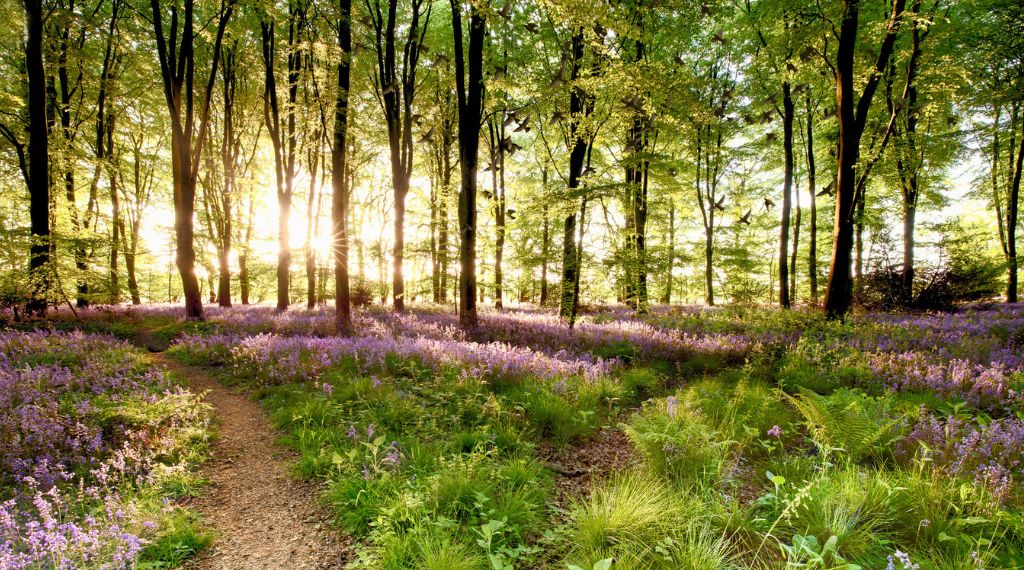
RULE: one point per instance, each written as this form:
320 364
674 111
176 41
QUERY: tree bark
579 109
671 257
1011 221
470 102
283 138
177 67
339 175
38 161
812 245
787 194
545 244
852 118
396 94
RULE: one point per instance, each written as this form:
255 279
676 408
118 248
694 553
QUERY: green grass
714 487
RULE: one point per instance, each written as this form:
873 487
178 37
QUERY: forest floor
262 516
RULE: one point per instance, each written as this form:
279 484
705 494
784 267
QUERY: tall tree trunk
787 194
852 118
312 217
61 102
709 274
442 214
470 99
497 132
669 278
579 109
545 244
243 255
812 245
38 160
1011 219
339 177
396 93
796 248
283 138
116 224
229 160
177 68
435 261
636 180
909 169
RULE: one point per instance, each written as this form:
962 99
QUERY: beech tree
189 125
853 117
469 86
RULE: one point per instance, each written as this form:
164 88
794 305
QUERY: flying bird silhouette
746 218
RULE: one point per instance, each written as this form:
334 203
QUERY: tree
581 106
339 163
396 92
469 86
38 173
283 134
852 120
177 69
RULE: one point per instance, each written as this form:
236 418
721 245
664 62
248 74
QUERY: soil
262 516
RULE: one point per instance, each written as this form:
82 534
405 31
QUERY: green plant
641 383
674 439
178 537
858 426
554 417
627 516
427 547
806 552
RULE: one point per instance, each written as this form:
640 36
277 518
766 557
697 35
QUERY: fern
855 425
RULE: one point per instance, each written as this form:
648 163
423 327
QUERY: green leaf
603 564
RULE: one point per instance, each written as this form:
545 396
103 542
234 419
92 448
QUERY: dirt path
263 517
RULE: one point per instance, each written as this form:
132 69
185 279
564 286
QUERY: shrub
675 440
641 383
858 426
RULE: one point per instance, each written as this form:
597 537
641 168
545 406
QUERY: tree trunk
284 148
796 248
787 194
243 256
312 217
909 167
339 170
666 297
545 244
812 245
177 67
852 118
709 275
579 109
435 261
442 214
470 99
115 216
39 160
1011 221
229 159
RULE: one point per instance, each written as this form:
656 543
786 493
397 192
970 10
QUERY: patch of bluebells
52 534
280 359
47 380
985 386
990 455
545 332
61 463
903 559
